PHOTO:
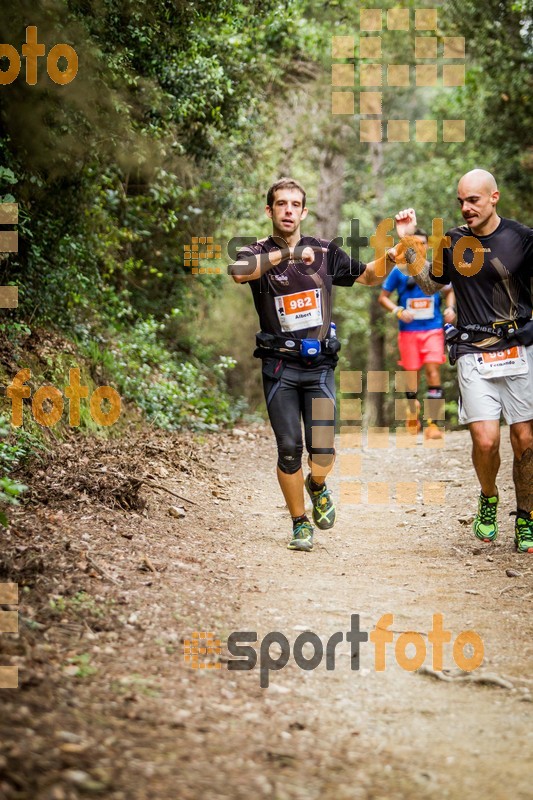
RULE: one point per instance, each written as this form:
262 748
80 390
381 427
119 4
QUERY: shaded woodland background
181 116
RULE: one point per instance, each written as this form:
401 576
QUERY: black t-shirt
294 299
491 276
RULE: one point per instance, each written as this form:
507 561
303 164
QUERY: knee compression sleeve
289 455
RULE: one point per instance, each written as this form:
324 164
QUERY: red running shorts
421 347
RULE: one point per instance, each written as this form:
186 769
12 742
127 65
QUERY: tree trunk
374 401
331 195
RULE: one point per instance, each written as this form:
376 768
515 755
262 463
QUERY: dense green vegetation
181 115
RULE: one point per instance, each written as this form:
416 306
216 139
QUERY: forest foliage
182 114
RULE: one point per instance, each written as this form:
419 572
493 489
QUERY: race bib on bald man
299 310
496 364
421 307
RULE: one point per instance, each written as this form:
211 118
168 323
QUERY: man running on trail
420 336
291 279
489 262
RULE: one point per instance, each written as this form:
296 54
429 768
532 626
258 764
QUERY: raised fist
405 222
306 255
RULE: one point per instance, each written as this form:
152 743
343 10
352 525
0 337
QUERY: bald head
479 180
478 196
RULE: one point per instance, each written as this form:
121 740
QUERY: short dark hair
421 232
284 183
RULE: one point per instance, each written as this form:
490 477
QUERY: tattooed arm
424 279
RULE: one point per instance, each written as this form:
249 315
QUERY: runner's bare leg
432 373
521 434
321 466
292 487
486 453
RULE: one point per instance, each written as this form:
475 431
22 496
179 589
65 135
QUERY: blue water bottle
450 335
332 330
450 331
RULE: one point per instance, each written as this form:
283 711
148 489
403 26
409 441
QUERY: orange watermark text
410 650
31 51
47 403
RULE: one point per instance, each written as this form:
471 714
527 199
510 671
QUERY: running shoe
523 531
485 524
432 431
302 537
323 506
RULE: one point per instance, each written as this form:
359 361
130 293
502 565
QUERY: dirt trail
107 706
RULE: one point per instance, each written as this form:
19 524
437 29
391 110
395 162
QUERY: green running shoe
323 506
302 537
523 531
485 525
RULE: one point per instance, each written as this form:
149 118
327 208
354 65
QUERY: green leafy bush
171 393
12 454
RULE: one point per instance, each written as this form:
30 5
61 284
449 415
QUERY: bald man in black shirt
489 262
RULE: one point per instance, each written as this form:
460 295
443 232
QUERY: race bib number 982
299 310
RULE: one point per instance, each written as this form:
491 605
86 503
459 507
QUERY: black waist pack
270 345
286 344
524 335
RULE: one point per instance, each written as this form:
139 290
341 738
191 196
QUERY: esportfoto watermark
380 241
74 391
239 644
31 51
362 75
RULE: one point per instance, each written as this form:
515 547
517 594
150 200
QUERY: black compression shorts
289 393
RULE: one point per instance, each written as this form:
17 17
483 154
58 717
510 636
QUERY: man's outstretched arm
423 278
376 271
257 264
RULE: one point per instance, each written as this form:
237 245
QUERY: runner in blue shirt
420 337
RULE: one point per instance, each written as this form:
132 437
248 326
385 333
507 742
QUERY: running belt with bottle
494 301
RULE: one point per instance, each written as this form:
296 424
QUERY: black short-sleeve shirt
298 283
491 275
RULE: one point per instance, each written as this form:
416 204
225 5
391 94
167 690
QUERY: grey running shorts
482 398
